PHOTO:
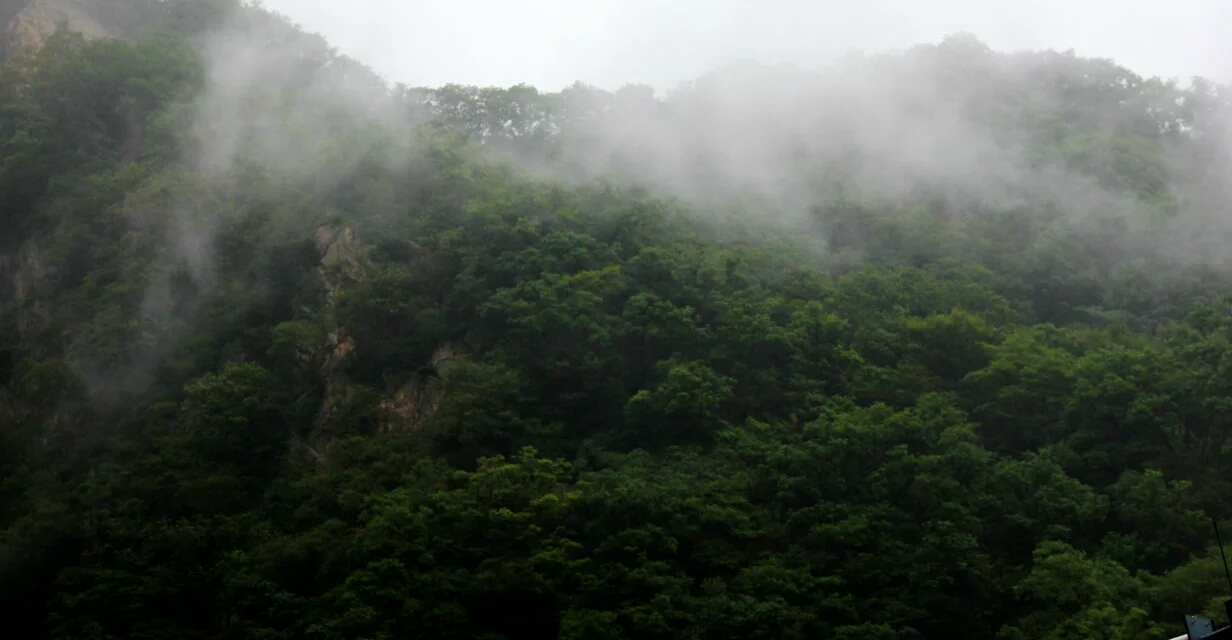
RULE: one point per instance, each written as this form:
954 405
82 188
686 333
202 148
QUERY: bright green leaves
889 501
562 331
686 406
1019 397
82 107
1036 500
299 345
480 412
394 323
1154 523
1081 597
590 625
450 560
234 418
570 308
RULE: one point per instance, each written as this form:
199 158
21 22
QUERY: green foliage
234 418
1084 598
370 380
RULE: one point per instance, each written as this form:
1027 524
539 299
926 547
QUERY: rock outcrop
409 405
41 18
415 401
28 23
337 247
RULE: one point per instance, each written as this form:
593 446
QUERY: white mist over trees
608 43
918 344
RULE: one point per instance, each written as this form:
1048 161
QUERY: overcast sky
552 43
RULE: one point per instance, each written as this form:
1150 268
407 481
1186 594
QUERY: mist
279 112
631 321
918 108
954 125
552 43
767 143
944 130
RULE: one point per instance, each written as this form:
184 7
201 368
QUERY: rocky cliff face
29 22
414 400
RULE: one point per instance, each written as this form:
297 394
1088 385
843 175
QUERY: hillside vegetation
920 345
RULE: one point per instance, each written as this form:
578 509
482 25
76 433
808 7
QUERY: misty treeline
929 344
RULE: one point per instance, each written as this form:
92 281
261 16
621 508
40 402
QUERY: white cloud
551 43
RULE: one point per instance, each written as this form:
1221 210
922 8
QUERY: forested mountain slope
918 345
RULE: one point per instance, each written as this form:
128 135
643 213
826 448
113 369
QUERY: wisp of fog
953 126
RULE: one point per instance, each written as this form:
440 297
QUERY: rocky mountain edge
30 22
412 402
407 404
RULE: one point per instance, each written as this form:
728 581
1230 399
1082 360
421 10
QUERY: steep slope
287 353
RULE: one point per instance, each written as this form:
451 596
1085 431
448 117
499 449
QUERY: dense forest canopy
924 344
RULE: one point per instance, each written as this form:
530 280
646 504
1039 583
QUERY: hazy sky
551 43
